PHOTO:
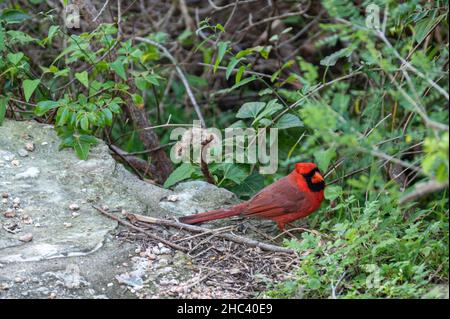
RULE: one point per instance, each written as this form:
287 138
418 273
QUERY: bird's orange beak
317 178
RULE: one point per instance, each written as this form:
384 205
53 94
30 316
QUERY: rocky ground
54 244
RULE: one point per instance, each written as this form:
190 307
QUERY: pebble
29 147
67 225
44 143
26 238
15 163
110 284
52 295
19 280
26 136
156 251
172 198
9 214
23 153
75 214
5 201
5 195
26 219
74 207
165 251
4 286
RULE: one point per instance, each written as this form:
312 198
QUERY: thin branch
180 74
127 224
101 10
217 8
410 67
203 164
320 87
283 16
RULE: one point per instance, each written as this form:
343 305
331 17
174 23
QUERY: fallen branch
423 189
159 239
198 229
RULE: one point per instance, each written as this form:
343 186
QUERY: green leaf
424 26
231 66
220 27
19 37
152 79
84 123
108 116
51 32
222 49
2 38
233 173
244 53
324 158
14 58
314 283
3 106
243 82
184 171
288 120
83 78
141 83
29 86
63 116
332 58
272 107
250 110
118 67
13 16
138 100
333 192
44 106
250 186
81 148
238 77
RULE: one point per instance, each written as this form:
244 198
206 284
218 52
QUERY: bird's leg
289 233
281 226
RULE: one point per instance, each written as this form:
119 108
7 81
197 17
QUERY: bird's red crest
304 168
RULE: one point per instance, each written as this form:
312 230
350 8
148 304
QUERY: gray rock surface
52 242
196 197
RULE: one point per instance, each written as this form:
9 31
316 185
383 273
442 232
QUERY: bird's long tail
213 215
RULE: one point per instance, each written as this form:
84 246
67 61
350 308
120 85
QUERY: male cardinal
290 198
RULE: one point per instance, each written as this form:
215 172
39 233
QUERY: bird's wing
282 197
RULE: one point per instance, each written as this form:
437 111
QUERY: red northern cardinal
290 198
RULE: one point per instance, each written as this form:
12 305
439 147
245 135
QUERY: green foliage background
372 101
